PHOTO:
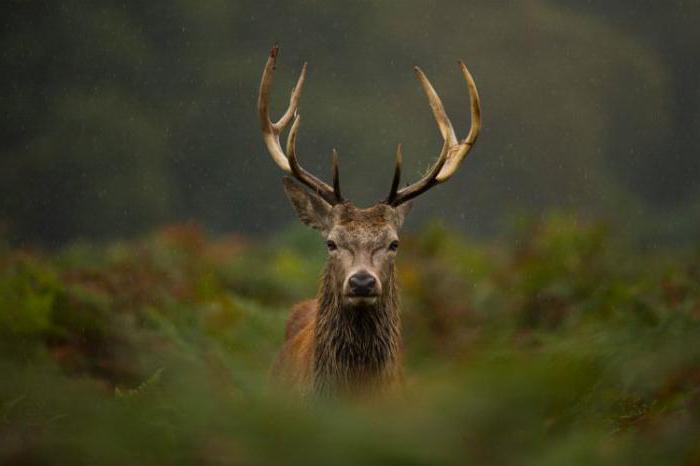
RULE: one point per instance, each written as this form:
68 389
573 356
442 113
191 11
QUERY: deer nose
362 284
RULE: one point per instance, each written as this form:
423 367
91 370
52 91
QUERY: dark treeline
121 115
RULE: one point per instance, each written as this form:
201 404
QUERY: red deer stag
348 339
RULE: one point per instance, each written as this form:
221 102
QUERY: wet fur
333 348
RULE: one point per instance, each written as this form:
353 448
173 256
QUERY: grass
561 346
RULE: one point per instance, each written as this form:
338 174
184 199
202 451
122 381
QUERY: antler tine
293 101
397 176
318 186
425 183
443 121
336 176
460 151
271 131
453 151
292 137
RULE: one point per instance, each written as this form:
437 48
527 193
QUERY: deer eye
331 245
394 245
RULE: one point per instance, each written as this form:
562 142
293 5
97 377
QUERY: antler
453 151
271 132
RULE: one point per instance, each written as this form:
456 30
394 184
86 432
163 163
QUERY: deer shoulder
294 361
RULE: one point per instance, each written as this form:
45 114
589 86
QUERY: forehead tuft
377 216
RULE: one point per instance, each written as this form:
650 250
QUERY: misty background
119 116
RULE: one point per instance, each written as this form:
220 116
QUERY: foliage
558 347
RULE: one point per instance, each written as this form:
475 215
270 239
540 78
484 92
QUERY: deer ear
311 209
402 211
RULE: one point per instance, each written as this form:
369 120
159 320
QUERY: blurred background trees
121 115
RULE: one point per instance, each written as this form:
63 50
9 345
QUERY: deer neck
356 347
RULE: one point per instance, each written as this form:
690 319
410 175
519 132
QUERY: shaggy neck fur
356 347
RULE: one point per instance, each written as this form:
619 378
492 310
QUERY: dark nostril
362 283
368 281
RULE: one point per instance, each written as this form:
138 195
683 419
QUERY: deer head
362 243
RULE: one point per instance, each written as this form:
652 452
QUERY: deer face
361 243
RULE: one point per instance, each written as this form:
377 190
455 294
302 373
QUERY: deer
347 340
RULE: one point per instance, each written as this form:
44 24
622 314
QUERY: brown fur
335 347
293 365
348 339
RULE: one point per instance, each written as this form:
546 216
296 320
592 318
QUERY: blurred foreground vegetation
558 347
